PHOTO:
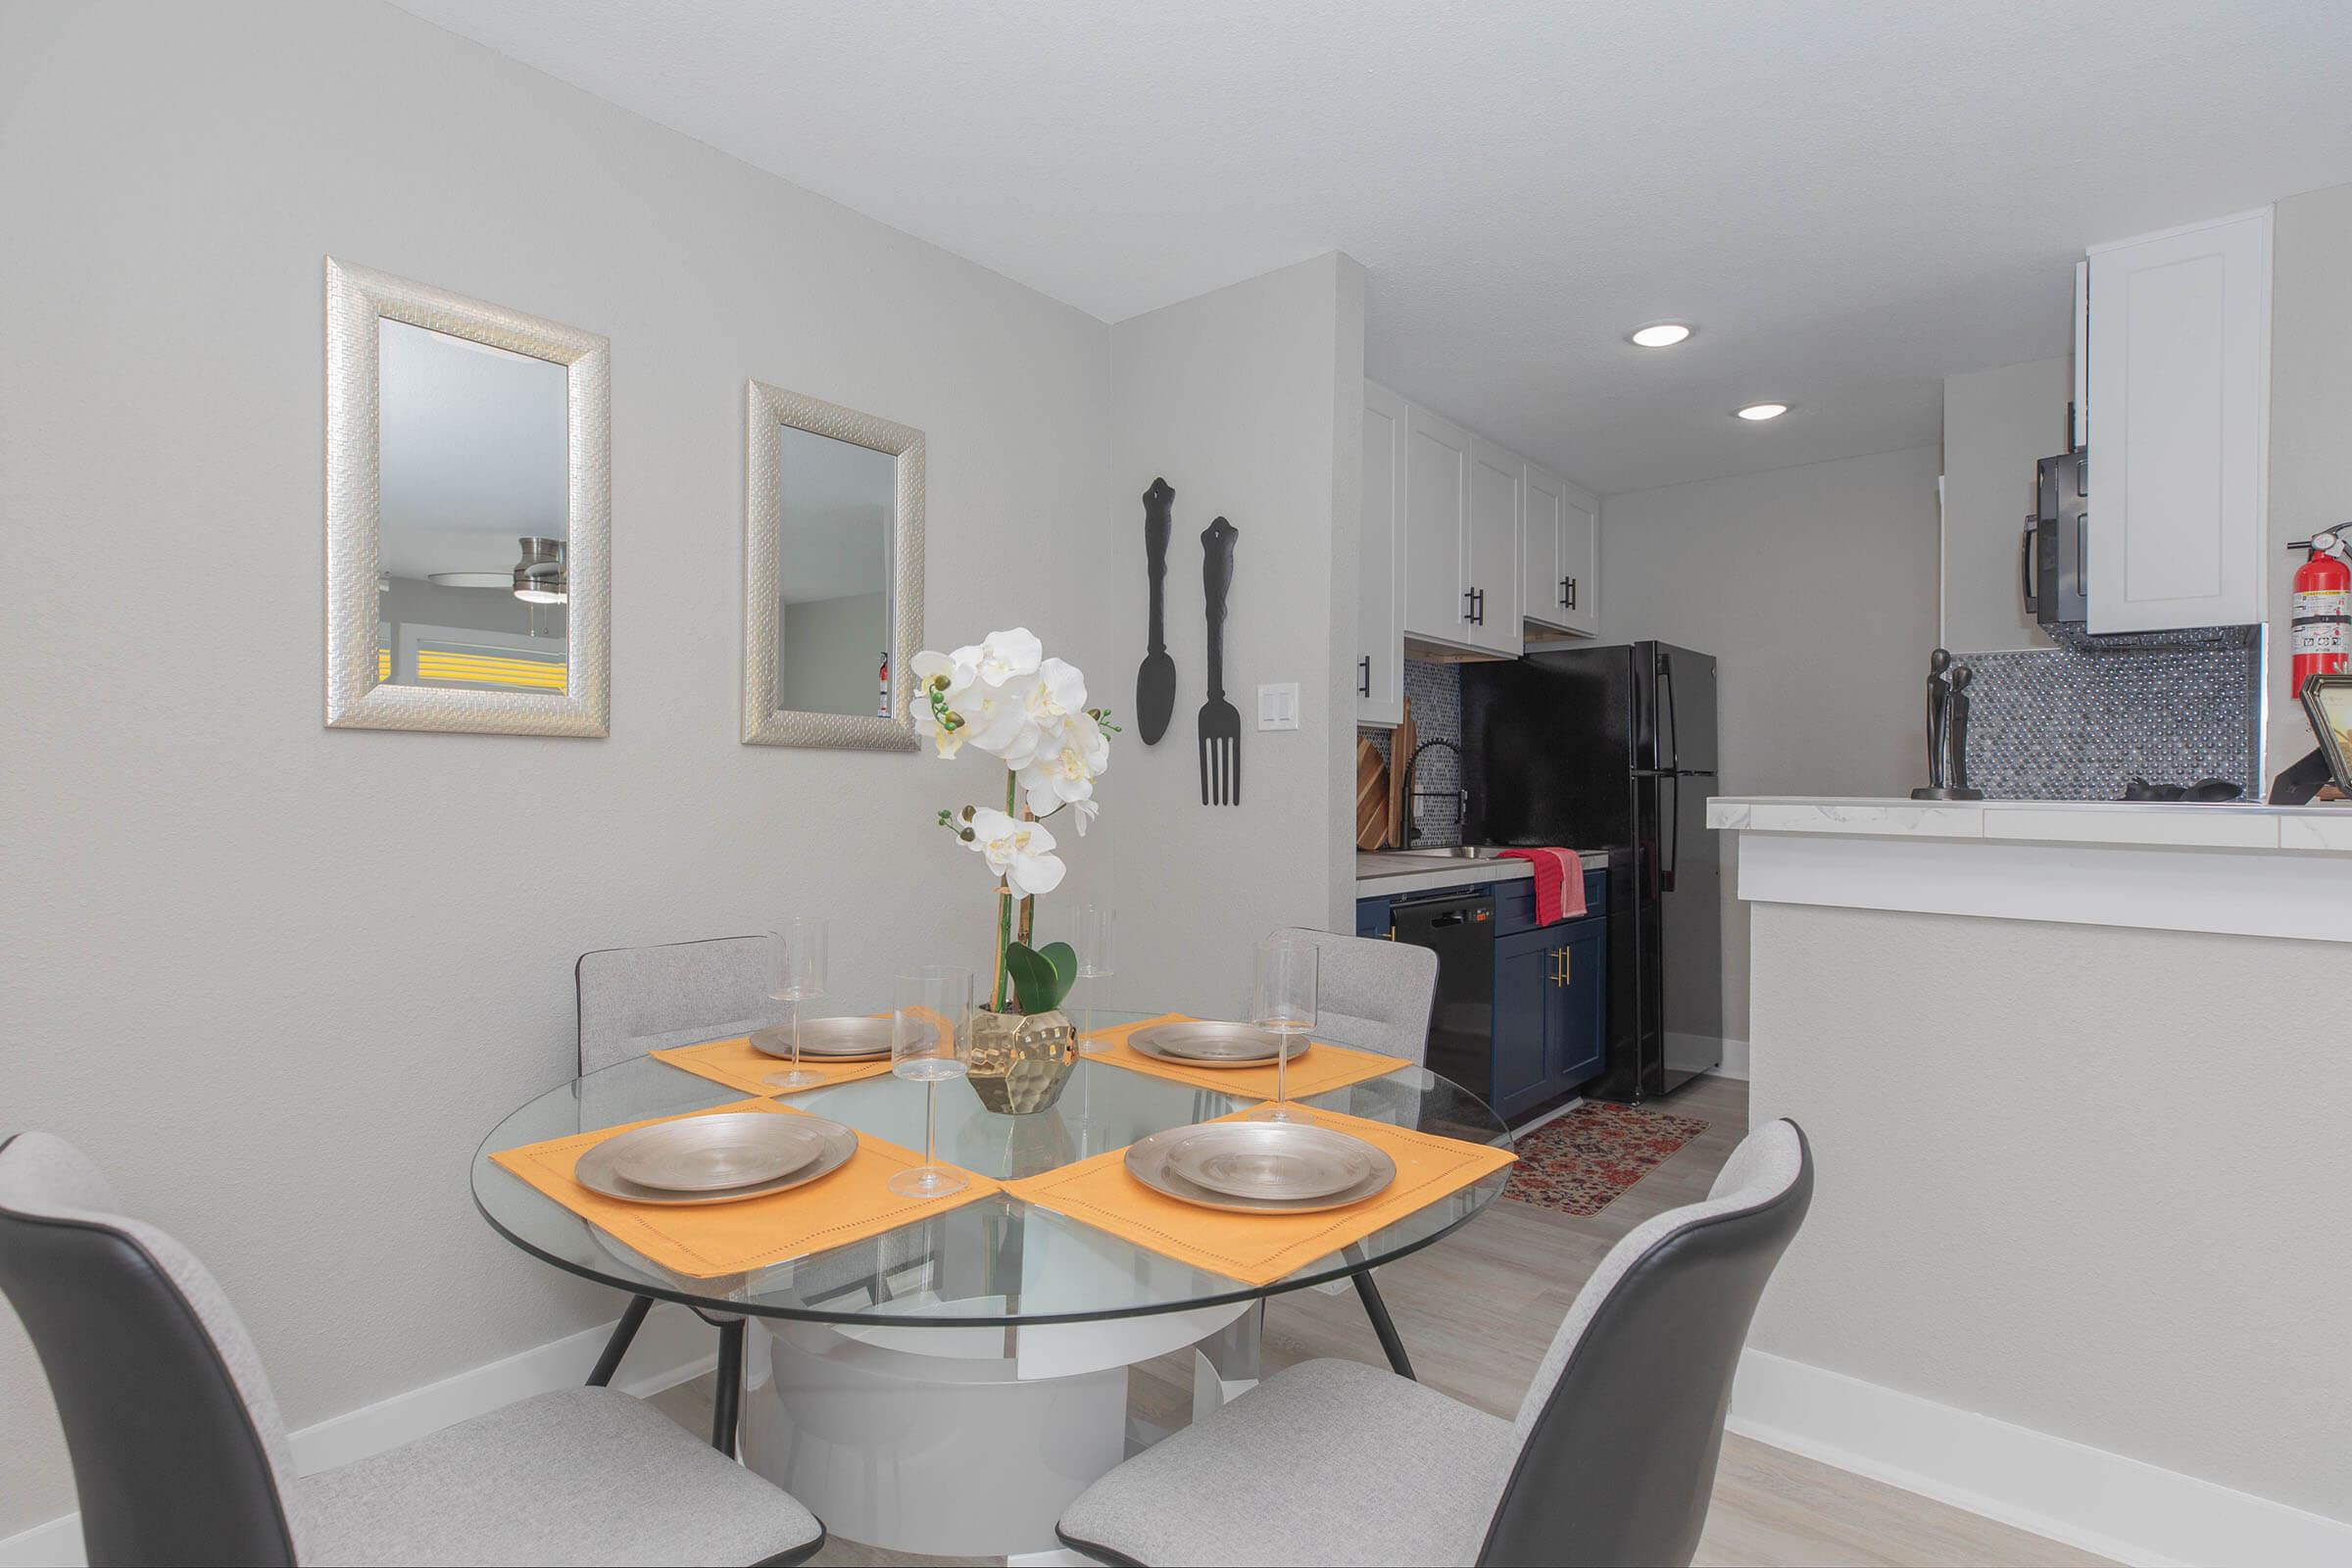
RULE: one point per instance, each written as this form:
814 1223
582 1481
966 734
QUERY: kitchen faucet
1462 796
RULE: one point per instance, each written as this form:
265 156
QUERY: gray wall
1235 398
281 979
2070 1178
2311 417
1815 589
1995 424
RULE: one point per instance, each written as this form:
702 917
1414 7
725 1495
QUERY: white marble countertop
1379 874
2321 829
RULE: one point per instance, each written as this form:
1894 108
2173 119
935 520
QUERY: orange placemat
1260 1248
1323 1068
701 1242
739 1065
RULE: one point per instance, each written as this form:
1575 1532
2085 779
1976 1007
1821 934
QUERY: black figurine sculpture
1947 731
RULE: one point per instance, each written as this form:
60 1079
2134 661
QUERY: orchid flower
1021 853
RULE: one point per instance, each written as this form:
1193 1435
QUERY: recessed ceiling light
1764 411
1663 335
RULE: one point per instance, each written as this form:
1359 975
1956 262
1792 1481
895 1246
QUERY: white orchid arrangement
1002 697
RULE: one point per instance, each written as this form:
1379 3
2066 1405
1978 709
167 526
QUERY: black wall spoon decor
1155 681
1220 723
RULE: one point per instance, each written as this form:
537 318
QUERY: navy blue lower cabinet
1576 1035
1523 1004
1372 917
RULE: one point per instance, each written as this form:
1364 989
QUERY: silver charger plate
831 1039
712 1153
1206 1043
836 1143
1270 1159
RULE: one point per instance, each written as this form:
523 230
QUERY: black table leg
1378 1312
727 1399
619 1344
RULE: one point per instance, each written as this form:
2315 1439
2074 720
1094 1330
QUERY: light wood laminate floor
1477 1311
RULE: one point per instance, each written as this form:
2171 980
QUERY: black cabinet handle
1572 593
1470 606
1478 608
1363 685
2026 564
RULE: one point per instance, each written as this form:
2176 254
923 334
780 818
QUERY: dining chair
179 1454
1611 1458
1375 996
636 999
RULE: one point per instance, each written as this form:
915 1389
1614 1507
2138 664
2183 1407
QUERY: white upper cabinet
1436 491
2179 330
1491 549
1380 564
1559 555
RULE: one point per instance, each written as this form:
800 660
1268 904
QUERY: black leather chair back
1619 1459
167 1460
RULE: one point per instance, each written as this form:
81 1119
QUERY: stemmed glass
930 1041
1097 952
1283 1002
795 973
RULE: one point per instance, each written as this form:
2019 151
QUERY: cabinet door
1542 565
1490 563
1372 919
1380 579
1437 487
1575 1016
1522 969
1580 562
2180 364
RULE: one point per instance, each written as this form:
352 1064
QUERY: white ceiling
1852 198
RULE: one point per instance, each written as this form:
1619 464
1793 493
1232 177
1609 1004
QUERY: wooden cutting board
1400 763
1371 797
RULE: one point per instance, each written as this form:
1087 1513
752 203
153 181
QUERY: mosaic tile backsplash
1436 691
2079 723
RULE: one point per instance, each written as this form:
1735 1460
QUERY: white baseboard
2070 1492
1735 1059
672 1346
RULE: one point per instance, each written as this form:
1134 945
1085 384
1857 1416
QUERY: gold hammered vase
1020 1060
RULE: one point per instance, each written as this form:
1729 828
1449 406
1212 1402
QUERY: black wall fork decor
1221 724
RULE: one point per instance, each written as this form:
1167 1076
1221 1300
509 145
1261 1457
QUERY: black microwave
2056 549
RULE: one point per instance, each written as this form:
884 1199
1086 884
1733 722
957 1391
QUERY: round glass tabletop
996 1260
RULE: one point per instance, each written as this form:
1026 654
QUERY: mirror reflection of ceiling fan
538 578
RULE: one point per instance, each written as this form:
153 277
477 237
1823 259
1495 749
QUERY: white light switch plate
1278 707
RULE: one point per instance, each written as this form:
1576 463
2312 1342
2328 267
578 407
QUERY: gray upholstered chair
179 1455
636 999
1611 1458
1376 995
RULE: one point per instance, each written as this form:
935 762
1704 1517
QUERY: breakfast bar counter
2052 1052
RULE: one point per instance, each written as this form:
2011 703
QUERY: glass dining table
949 1385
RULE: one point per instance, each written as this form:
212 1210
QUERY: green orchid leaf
1033 977
1064 960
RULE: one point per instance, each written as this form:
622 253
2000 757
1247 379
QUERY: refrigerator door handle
1674 740
1673 838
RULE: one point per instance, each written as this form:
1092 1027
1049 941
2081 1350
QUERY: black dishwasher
1459 929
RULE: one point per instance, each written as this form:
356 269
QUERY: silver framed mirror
469 511
833 574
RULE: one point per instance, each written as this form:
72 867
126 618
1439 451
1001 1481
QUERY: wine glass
1097 943
930 1041
1284 1001
795 973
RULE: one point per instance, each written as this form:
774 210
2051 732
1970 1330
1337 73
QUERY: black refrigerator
1614 749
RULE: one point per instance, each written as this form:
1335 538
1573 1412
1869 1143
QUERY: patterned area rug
1579 1163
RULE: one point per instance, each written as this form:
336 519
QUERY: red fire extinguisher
2322 624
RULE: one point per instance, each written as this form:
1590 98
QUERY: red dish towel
1559 882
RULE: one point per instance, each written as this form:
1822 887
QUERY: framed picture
2328 698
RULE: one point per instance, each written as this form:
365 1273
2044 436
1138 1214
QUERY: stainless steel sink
1451 852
